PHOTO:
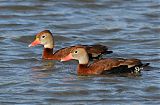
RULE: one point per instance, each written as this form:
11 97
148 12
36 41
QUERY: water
130 28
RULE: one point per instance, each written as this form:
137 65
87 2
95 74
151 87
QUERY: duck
103 66
46 39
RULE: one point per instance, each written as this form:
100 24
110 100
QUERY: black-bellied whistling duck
103 66
45 38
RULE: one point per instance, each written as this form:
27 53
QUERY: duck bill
34 43
67 58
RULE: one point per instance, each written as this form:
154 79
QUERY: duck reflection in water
44 69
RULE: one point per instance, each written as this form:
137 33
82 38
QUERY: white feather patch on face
83 60
80 55
48 46
47 41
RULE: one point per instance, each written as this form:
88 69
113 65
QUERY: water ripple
129 28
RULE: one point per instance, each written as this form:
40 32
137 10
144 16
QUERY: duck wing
116 65
94 51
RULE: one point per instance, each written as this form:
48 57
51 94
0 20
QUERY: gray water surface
131 28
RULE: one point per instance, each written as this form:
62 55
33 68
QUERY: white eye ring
43 36
75 52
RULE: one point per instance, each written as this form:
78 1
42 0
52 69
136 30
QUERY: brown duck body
111 66
45 38
103 66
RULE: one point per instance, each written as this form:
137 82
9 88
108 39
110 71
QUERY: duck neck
47 53
83 60
48 50
83 69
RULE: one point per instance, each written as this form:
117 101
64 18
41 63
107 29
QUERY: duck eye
43 37
76 52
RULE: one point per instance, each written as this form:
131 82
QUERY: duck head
44 38
78 53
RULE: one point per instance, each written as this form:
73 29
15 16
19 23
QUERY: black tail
137 68
124 69
109 52
146 64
